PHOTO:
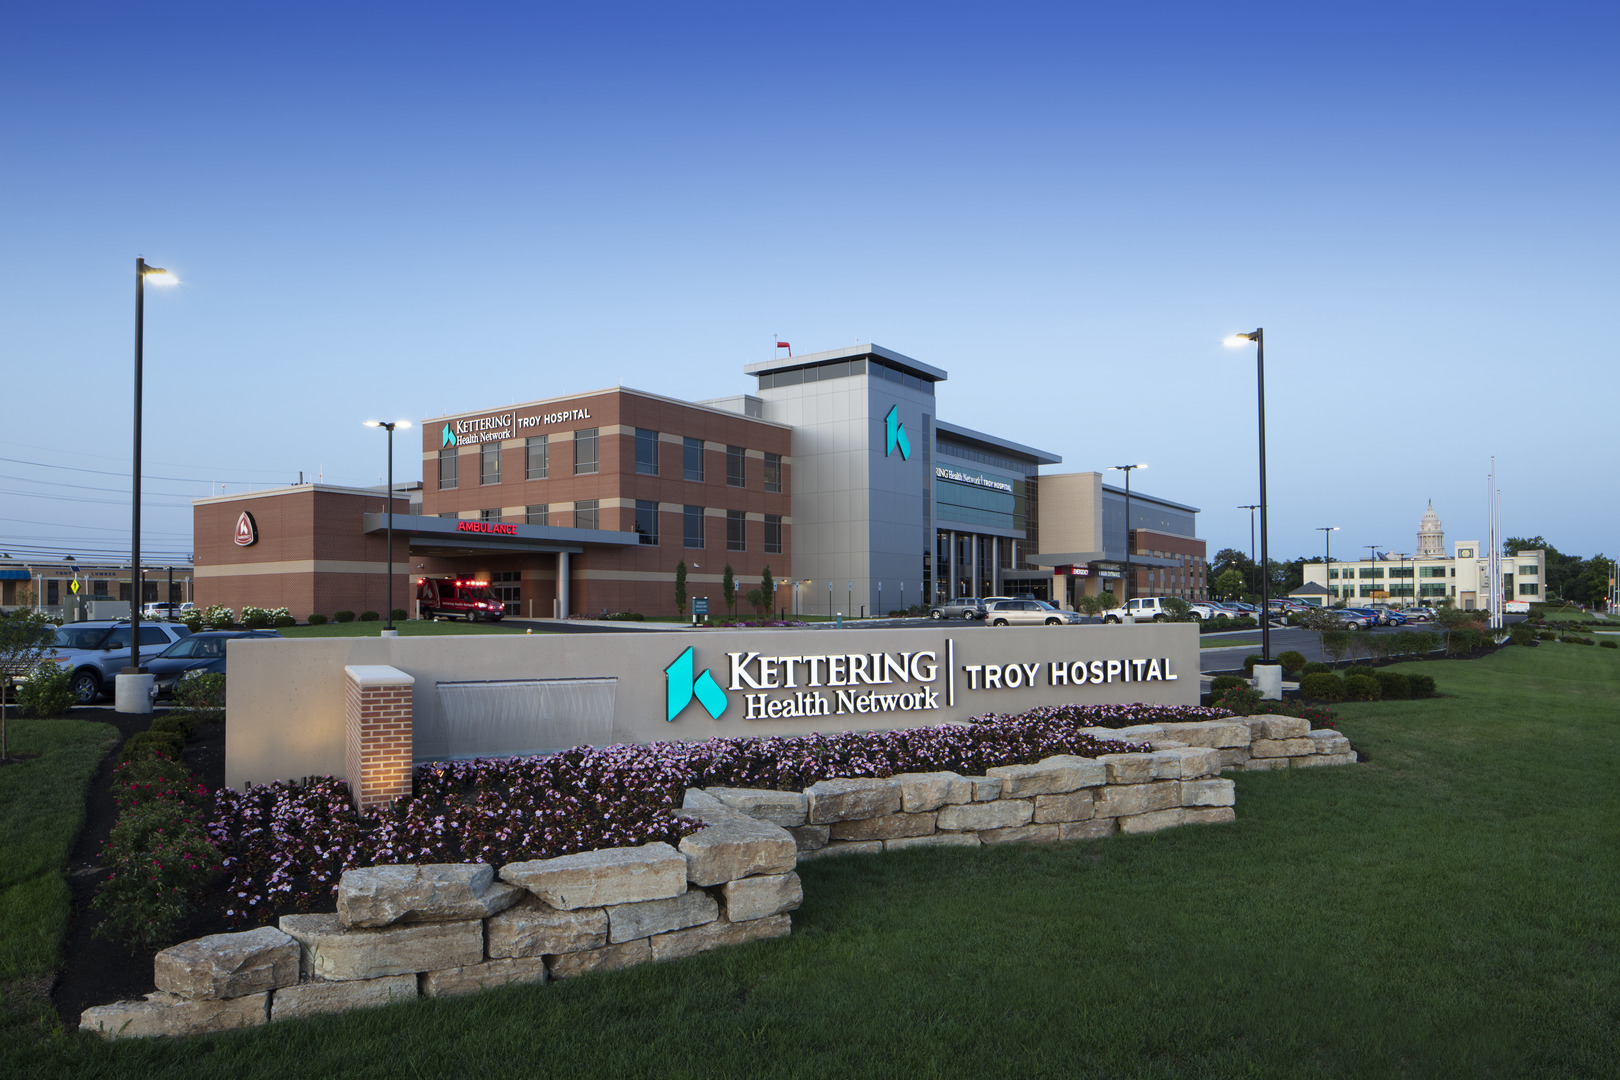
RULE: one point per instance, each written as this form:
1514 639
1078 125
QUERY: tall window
773 472
647 521
447 467
692 526
773 534
490 459
489 514
538 514
585 511
736 530
585 451
508 588
538 457
646 451
736 466
692 459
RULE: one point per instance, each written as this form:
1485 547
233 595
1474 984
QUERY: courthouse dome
1431 536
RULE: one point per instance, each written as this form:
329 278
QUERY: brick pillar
377 743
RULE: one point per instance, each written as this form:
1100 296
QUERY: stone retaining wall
406 931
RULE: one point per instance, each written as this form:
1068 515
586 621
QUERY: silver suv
97 651
968 607
1144 608
1029 613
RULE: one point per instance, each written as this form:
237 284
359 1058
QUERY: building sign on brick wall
247 530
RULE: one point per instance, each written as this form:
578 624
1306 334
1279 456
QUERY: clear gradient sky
405 209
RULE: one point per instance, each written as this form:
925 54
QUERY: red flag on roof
785 345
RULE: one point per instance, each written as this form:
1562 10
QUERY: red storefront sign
495 527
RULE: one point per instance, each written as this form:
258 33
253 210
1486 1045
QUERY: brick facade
377 738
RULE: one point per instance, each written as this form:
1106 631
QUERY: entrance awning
461 536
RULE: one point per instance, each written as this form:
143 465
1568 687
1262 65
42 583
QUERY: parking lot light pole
1259 339
1251 508
1127 469
389 427
134 667
1327 532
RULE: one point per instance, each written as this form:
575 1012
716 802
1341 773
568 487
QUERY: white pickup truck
1144 608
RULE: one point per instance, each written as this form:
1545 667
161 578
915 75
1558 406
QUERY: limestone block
1195 762
610 958
698 799
626 922
845 800
1264 748
1163 764
227 965
811 837
1022 834
784 808
318 997
1118 800
475 977
734 845
886 827
442 892
1329 741
1217 734
1208 815
167 1014
1283 727
1235 755
1001 814
985 788
1208 793
1263 764
713 935
757 897
1052 776
921 792
333 951
598 878
1321 759
843 847
943 839
1151 822
1070 806
1095 829
1167 744
1138 733
535 928
1128 768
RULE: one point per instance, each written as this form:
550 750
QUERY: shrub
1335 643
147 743
192 620
1548 635
1464 639
159 859
1361 688
1241 700
1248 664
1393 686
1315 667
316 620
1322 686
1609 644
344 616
398 615
1521 634
1587 641
49 692
1361 669
255 618
1222 683
369 616
219 617
202 696
1422 685
284 619
177 722
627 616
1291 661
156 777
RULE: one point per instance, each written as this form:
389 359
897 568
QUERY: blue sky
404 210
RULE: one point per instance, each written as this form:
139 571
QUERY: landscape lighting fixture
136 597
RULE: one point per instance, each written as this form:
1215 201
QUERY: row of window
587 515
1406 572
537 460
843 369
692 461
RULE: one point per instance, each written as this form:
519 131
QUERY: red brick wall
377 746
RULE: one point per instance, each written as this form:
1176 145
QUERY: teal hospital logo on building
895 435
681 686
447 437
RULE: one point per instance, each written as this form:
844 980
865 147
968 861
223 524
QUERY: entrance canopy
463 536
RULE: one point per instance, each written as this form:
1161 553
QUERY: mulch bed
96 971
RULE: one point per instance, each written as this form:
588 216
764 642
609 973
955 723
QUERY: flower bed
286 845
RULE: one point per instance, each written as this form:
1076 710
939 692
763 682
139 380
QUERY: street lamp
134 667
1251 508
1259 339
1372 561
1327 532
1127 469
389 427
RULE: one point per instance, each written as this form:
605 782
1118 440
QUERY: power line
88 487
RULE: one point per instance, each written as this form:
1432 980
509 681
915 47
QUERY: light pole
1127 470
134 667
389 426
1372 561
1251 508
1259 339
1327 532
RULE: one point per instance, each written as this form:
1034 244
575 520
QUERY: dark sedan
203 653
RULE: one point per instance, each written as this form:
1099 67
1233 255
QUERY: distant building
53 586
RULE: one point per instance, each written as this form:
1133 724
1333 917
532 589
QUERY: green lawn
1227 643
407 628
1447 908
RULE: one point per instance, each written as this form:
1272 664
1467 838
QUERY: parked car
159 609
202 654
97 651
1391 616
1418 614
1143 608
966 607
1030 613
1351 619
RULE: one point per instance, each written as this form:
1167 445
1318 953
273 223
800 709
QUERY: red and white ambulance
454 598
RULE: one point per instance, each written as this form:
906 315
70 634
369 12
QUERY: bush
316 620
49 692
147 743
1335 643
1361 688
219 617
1608 644
1548 635
177 722
1393 686
192 620
1248 664
255 618
1322 686
1361 669
1464 639
202 696
1521 634
1240 700
1422 685
398 615
156 777
1291 661
369 616
284 620
627 616
1222 683
159 860
1315 667
344 616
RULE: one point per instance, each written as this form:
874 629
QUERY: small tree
756 600
1088 605
680 587
1107 601
1229 584
26 639
767 590
728 589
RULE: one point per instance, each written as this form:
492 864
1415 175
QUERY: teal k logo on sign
896 433
447 437
681 688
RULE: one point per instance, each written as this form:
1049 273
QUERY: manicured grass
408 628
41 809
1227 643
1445 909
